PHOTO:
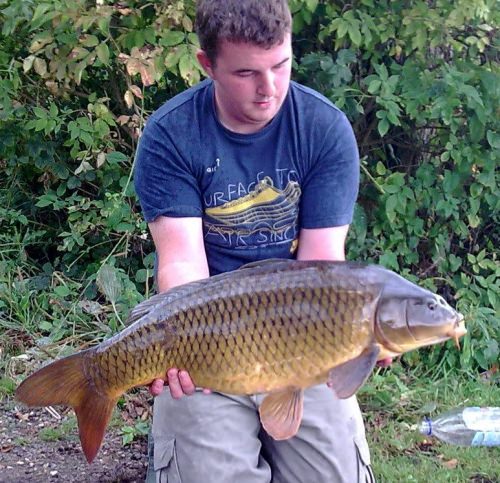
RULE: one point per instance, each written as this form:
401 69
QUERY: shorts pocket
165 462
365 472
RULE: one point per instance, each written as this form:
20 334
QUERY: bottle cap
426 426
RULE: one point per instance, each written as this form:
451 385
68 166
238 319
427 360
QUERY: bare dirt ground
36 446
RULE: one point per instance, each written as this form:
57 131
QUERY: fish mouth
455 331
458 330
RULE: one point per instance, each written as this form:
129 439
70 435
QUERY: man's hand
179 382
385 362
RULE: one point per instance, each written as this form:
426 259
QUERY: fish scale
275 326
224 345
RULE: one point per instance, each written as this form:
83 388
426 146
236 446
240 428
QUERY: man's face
251 82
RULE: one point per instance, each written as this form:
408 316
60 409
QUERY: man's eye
245 73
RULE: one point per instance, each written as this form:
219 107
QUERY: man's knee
209 438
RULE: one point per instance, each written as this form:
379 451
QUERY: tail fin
64 382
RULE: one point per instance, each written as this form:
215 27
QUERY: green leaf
474 221
312 5
40 113
342 28
78 72
374 86
393 118
40 16
90 41
142 275
139 37
476 128
54 111
472 93
476 189
390 207
355 35
188 68
455 262
47 326
172 37
380 169
383 127
108 283
491 351
46 200
116 157
103 24
493 139
389 260
103 53
150 35
381 70
62 291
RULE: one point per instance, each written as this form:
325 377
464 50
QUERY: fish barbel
272 327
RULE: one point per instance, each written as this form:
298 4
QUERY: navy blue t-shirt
253 191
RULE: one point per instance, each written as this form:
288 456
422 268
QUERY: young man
246 166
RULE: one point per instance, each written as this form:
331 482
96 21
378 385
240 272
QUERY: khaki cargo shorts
217 438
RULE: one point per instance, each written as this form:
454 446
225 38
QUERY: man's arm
180 251
322 243
181 259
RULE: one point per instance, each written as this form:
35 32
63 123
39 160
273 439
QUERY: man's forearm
178 273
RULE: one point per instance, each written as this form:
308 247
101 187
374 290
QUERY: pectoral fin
347 378
281 413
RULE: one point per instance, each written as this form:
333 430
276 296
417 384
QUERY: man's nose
266 86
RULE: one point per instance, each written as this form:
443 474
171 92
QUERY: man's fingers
385 362
174 384
156 387
179 383
186 383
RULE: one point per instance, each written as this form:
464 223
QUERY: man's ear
205 63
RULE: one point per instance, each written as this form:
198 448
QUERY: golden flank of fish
276 327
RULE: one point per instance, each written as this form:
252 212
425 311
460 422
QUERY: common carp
273 327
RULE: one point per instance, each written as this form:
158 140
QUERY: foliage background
78 79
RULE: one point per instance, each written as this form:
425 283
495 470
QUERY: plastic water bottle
466 426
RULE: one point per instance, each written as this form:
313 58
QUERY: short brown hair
261 22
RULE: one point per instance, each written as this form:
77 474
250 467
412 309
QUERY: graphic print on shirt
265 215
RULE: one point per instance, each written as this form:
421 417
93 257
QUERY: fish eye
431 305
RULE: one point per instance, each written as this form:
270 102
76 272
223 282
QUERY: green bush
418 80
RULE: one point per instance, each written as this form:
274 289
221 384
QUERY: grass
394 403
67 429
7 387
21 441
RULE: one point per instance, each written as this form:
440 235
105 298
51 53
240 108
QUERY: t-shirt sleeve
331 186
164 179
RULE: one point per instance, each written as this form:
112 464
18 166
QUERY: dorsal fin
176 292
163 298
144 308
266 262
